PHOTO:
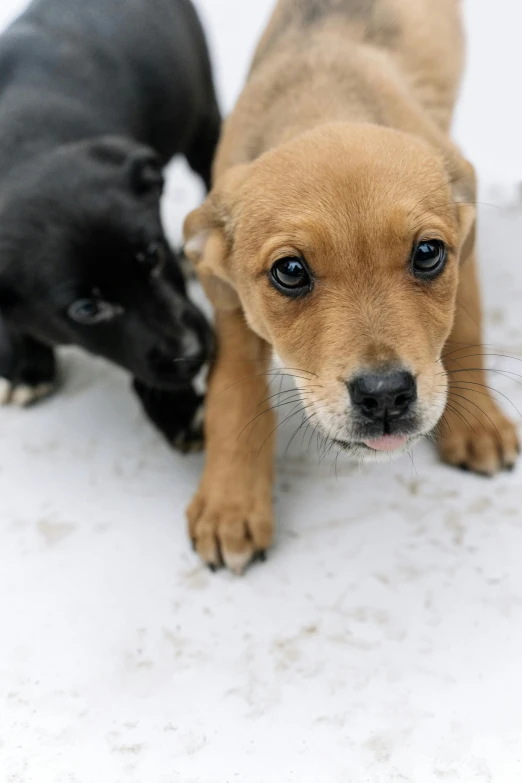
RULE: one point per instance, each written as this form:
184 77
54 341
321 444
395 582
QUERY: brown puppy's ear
209 235
463 183
464 187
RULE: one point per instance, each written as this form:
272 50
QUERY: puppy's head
84 260
342 247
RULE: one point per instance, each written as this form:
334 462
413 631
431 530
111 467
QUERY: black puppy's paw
22 395
178 415
27 370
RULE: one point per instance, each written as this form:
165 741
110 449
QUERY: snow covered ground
382 640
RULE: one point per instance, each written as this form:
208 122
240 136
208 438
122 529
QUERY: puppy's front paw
22 395
475 435
226 530
27 369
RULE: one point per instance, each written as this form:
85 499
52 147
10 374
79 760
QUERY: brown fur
338 151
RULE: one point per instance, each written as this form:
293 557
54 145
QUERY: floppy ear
464 188
463 183
209 237
146 173
141 164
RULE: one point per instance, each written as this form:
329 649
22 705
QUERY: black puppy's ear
146 173
141 164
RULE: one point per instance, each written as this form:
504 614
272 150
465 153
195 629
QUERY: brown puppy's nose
381 395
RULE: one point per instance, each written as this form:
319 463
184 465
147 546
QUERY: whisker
258 375
290 371
305 431
290 416
447 184
506 373
291 391
458 413
297 430
305 421
268 409
479 408
444 422
497 355
317 436
410 454
333 445
326 447
314 430
464 346
336 459
485 394
334 464
462 306
451 206
273 369
280 384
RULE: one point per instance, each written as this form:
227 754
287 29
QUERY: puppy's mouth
386 417
388 443
391 439
392 445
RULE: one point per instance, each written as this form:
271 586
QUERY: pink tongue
386 443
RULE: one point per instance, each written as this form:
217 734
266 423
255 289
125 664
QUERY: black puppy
95 97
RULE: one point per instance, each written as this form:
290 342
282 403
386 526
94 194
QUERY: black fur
167 409
96 96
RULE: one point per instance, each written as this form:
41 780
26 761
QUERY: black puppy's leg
27 369
202 150
177 415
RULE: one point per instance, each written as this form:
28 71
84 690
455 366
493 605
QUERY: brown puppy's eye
429 259
152 258
291 276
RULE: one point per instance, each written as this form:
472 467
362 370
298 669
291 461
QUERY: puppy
340 234
95 97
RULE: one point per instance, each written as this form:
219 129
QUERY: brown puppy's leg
474 434
230 518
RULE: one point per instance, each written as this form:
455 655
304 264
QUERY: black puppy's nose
379 395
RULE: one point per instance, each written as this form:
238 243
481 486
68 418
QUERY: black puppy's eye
291 276
153 257
429 259
92 311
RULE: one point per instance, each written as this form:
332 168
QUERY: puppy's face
85 262
342 248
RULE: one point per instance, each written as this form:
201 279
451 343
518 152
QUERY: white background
382 640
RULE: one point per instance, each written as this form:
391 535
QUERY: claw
5 391
23 395
237 563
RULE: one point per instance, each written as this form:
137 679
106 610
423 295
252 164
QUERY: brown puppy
340 233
